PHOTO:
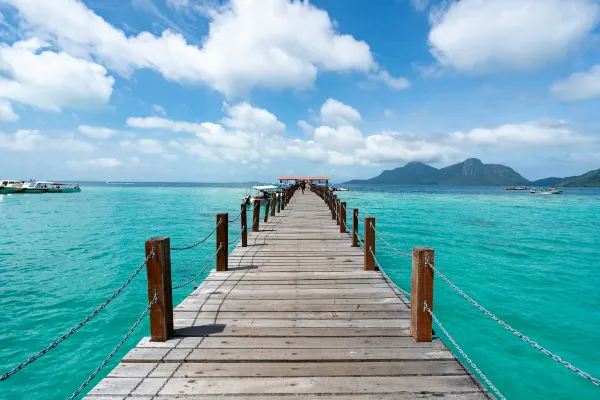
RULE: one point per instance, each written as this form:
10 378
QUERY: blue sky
206 90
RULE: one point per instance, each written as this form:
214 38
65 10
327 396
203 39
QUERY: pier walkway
295 316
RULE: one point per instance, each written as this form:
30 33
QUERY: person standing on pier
303 186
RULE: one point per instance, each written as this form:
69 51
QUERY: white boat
260 194
49 187
545 191
336 189
10 187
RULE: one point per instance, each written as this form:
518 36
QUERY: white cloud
307 129
33 140
244 117
49 80
534 134
578 86
334 112
269 43
390 81
96 132
7 114
483 35
159 110
95 163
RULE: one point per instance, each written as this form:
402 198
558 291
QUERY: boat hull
10 190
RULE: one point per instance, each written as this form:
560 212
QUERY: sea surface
534 261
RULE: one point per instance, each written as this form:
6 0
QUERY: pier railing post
369 243
343 217
283 199
273 204
244 226
222 241
279 202
333 210
339 211
355 228
267 204
421 292
158 270
256 216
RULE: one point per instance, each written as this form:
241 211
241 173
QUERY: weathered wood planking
295 316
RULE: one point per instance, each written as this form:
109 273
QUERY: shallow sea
532 260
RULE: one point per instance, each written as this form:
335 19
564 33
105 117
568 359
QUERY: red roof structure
303 178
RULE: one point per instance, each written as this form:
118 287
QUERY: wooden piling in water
421 292
222 241
369 243
267 203
158 270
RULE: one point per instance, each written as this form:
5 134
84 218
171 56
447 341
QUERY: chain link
462 353
534 344
31 359
389 245
201 241
117 347
201 272
404 292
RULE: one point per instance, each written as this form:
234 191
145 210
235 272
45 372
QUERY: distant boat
545 191
515 188
9 187
336 189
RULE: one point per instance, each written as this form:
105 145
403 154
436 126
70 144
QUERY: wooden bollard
283 199
343 217
355 227
267 204
369 243
244 226
279 202
273 204
158 270
421 292
256 216
339 211
222 241
333 210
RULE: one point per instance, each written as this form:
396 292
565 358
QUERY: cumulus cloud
538 133
390 81
34 140
159 110
49 80
97 132
7 114
269 43
578 86
95 163
334 112
476 36
147 146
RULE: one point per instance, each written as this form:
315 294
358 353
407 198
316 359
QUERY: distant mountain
472 172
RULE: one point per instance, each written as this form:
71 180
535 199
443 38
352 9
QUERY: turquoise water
532 260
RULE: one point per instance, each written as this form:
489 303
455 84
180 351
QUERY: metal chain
117 347
201 272
404 292
462 353
389 245
238 236
31 359
200 242
534 344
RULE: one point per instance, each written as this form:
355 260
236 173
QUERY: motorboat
260 194
10 187
515 188
337 189
49 187
545 191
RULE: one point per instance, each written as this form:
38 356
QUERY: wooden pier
298 313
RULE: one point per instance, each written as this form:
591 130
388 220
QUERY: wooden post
369 243
273 204
355 228
421 292
158 270
222 241
343 217
256 216
279 202
333 210
267 204
244 227
339 212
284 198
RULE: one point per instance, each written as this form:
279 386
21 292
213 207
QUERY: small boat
10 187
336 189
261 194
515 188
49 187
545 191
